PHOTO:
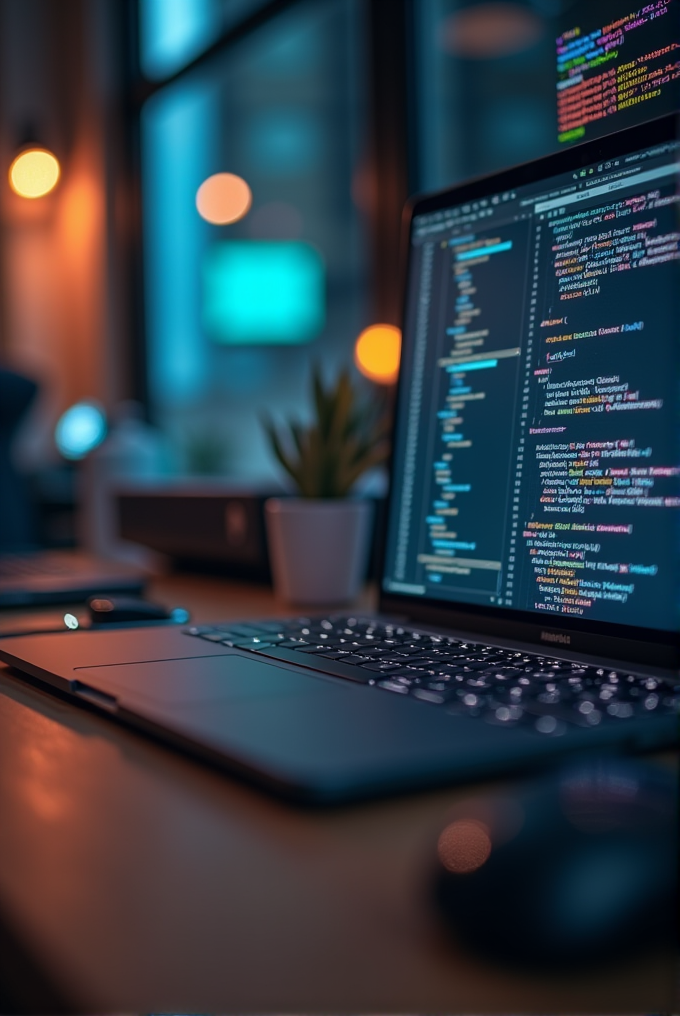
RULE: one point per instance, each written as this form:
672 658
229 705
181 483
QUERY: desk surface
144 881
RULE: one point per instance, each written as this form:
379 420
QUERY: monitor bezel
655 647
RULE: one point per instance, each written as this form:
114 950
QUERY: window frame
391 150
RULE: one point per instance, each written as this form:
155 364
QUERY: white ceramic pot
318 548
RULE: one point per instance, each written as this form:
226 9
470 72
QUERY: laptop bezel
638 645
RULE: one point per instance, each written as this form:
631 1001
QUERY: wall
61 281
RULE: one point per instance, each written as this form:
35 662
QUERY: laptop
529 585
48 577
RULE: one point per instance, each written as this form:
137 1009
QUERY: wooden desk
143 881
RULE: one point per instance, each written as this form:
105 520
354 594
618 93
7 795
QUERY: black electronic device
107 610
578 869
211 527
203 525
529 590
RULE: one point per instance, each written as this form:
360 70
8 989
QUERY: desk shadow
25 988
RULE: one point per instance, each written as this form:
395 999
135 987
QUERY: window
173 32
234 313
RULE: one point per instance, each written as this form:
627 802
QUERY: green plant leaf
288 464
346 438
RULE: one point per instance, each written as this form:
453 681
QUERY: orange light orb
489 30
223 198
33 173
464 846
377 352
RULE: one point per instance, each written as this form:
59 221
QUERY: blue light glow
458 240
454 544
173 32
178 138
263 292
480 252
461 368
80 429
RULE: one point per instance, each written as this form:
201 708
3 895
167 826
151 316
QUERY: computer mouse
576 870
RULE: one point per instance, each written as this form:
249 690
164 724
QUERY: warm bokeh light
377 353
33 173
490 30
223 198
464 846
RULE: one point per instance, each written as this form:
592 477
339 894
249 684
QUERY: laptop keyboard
501 686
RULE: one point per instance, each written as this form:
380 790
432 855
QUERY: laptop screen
537 453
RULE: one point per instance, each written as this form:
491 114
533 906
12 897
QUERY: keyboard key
504 715
379 667
400 689
414 676
541 674
503 673
435 697
548 724
253 643
621 710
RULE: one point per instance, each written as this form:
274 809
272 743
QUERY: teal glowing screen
257 291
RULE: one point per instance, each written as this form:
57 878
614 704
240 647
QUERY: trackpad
229 677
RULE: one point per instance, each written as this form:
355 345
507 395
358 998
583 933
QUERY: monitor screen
537 452
617 65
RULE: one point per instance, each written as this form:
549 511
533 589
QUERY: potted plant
319 541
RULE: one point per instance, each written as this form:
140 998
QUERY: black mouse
580 869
